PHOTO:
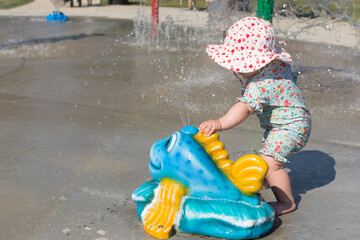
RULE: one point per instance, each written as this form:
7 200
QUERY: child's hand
210 126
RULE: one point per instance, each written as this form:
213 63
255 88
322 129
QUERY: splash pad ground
75 144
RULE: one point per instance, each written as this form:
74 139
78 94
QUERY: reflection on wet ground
81 105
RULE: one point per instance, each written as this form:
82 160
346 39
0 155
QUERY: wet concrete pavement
75 144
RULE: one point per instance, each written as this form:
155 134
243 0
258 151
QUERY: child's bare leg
280 185
265 184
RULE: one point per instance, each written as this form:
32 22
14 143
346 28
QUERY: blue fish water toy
56 16
197 189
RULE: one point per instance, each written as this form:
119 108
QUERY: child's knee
273 164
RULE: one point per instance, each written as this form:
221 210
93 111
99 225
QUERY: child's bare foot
282 208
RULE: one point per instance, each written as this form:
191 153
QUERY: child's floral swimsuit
281 109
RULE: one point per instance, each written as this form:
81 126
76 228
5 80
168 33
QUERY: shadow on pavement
310 170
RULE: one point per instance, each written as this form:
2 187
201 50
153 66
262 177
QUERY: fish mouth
155 160
155 165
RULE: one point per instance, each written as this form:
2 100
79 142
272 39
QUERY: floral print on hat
249 45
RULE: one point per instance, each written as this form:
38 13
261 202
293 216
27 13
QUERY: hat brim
244 64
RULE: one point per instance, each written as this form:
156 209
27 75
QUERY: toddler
269 91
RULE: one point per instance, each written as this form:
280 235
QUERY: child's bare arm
238 113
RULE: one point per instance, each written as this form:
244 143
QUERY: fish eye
170 142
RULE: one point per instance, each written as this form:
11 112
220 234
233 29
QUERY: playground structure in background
264 11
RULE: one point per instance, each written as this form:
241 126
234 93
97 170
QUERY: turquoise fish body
213 205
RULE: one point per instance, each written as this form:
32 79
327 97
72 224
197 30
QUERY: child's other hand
210 126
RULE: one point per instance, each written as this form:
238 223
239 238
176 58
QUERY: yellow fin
248 173
160 219
216 150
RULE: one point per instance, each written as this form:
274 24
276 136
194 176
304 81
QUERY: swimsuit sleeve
255 95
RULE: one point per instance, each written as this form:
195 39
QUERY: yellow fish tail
248 173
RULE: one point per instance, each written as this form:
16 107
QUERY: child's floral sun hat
249 45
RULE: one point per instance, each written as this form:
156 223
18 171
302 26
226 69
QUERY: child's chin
242 77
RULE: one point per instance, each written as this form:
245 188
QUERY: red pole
155 15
